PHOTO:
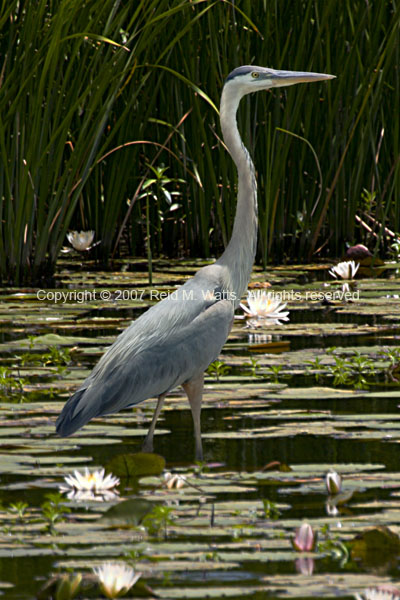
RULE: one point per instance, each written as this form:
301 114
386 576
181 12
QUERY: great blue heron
174 341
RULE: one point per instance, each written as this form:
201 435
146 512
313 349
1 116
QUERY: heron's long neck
240 253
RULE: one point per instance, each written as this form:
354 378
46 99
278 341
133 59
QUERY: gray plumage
174 341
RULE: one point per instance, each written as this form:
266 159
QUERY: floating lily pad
130 512
136 465
375 546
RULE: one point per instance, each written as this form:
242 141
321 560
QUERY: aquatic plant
158 520
253 365
394 250
333 546
317 368
54 510
56 356
64 586
19 508
392 371
271 511
353 369
218 369
155 188
11 385
68 586
273 372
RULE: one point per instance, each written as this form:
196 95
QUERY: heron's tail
70 420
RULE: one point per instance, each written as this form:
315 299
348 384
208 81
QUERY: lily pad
136 465
376 546
129 512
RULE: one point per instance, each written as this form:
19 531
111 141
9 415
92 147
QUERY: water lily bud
68 587
304 540
333 482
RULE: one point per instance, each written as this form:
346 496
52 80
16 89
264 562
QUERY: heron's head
250 78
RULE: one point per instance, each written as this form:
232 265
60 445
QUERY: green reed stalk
107 74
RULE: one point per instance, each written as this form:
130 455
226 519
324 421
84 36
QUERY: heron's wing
190 336
168 318
161 367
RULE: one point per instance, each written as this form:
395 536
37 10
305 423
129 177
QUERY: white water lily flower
80 240
90 486
382 592
115 579
344 270
174 481
262 305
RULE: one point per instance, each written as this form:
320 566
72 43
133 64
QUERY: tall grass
58 86
93 93
65 66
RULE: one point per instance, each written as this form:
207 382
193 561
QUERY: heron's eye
255 74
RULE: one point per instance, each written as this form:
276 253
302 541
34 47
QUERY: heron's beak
283 78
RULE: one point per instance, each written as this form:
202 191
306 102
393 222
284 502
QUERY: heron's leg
194 391
148 442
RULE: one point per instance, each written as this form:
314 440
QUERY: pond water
285 405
